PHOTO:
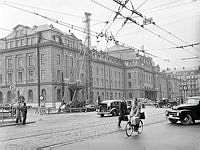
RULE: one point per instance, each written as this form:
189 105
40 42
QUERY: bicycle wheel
129 129
140 129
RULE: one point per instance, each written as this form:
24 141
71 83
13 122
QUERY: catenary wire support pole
88 59
38 68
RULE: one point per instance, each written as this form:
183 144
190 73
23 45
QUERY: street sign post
12 87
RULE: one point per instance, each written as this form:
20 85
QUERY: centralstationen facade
44 61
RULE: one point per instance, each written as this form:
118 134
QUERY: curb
15 124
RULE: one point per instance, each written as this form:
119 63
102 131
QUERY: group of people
21 112
133 115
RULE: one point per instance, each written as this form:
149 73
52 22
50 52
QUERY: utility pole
88 60
38 66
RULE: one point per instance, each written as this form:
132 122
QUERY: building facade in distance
47 66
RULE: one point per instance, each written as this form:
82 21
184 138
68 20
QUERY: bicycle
130 128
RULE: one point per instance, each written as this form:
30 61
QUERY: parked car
165 103
90 107
185 113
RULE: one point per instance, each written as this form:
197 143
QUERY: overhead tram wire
141 5
142 51
165 8
74 27
142 16
161 5
175 37
132 20
48 10
132 48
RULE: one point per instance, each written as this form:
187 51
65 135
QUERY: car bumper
103 113
172 115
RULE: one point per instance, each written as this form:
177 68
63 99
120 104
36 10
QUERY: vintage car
111 107
186 113
165 102
90 107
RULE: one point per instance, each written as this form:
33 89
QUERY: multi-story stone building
43 61
189 81
27 50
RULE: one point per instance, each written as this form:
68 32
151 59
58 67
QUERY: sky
177 24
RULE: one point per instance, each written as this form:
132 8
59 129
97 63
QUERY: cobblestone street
51 131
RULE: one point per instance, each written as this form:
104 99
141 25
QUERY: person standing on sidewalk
18 112
122 112
24 113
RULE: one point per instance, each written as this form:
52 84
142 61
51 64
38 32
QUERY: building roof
122 52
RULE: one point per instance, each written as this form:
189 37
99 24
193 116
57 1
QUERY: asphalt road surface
90 131
159 136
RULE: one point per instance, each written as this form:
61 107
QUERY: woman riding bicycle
134 116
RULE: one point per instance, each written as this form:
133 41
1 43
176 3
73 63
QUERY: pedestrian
134 116
24 113
18 112
122 112
181 100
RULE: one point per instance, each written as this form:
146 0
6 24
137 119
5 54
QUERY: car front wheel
173 120
186 119
102 115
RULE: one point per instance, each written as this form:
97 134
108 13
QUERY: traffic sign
41 97
12 87
185 87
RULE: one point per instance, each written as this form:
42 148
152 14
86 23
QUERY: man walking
24 113
18 112
122 111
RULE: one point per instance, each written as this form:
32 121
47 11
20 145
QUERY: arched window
59 95
30 96
1 97
44 94
9 97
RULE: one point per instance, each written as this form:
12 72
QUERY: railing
7 113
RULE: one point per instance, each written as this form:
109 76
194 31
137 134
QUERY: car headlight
178 113
166 112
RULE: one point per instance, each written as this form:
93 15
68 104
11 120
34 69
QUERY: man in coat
24 113
122 111
18 112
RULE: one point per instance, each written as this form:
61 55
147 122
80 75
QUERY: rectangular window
9 77
42 59
58 75
19 76
72 62
20 62
102 82
28 41
22 42
97 70
7 45
32 40
129 75
11 44
9 63
30 75
1 63
97 81
1 79
17 43
42 74
30 60
58 59
129 84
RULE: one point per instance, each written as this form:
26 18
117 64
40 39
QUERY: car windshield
193 101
